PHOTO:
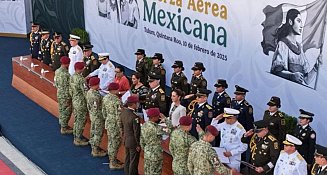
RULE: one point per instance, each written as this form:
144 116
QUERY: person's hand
235 172
249 133
188 96
162 117
297 77
259 169
218 117
198 128
227 154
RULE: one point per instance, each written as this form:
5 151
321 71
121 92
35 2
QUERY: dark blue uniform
308 137
44 53
35 39
219 102
246 113
201 115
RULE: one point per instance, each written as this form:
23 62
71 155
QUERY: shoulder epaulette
208 106
226 95
246 103
272 138
161 91
280 115
240 126
63 43
299 157
282 151
79 48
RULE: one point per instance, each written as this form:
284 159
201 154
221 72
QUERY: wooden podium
35 80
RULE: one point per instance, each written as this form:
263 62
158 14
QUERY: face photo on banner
296 35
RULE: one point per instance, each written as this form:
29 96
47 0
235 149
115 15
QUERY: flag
313 17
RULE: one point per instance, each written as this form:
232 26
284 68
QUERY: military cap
221 82
321 151
240 91
203 92
159 57
133 99
113 86
274 101
35 24
94 81
103 56
212 130
64 60
228 112
291 140
140 52
44 31
178 64
153 77
199 66
306 114
260 124
74 37
185 121
87 47
57 35
79 65
153 112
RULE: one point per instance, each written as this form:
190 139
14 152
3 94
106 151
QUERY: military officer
75 52
290 162
275 119
151 134
94 106
320 166
156 97
178 78
35 38
203 159
78 92
141 66
58 49
111 109
231 133
61 80
264 148
132 131
246 111
202 113
158 69
91 60
198 81
307 135
45 46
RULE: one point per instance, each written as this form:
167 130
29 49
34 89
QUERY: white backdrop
243 61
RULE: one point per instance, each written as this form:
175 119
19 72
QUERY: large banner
271 48
13 17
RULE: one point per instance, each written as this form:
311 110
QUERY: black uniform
201 115
45 54
308 137
179 81
142 93
35 39
156 99
57 51
246 113
219 102
316 168
264 152
141 67
132 132
276 125
196 83
159 70
91 63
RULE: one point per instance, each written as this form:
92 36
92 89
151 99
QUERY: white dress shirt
106 73
290 164
76 55
175 113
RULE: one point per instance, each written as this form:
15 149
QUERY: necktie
319 170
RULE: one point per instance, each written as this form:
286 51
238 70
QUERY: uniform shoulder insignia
79 49
246 103
64 44
299 157
282 151
161 91
92 57
226 95
313 135
280 115
110 64
208 106
272 138
163 71
137 120
240 126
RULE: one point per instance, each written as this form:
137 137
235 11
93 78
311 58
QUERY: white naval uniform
231 140
290 164
76 55
106 73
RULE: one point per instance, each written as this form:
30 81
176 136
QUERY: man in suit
320 166
131 136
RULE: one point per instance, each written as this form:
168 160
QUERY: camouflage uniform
61 81
78 85
111 109
203 160
180 142
94 105
150 141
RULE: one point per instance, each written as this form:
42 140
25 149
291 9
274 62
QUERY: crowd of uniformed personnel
86 85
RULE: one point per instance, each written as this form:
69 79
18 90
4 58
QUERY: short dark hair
179 92
137 75
121 68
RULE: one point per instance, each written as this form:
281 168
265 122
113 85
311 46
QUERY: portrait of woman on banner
289 60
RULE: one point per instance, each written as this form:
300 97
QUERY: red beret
185 121
64 60
153 112
79 65
113 86
213 130
94 81
133 99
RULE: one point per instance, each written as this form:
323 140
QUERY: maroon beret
79 65
153 112
113 86
64 60
133 99
185 121
94 81
213 130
